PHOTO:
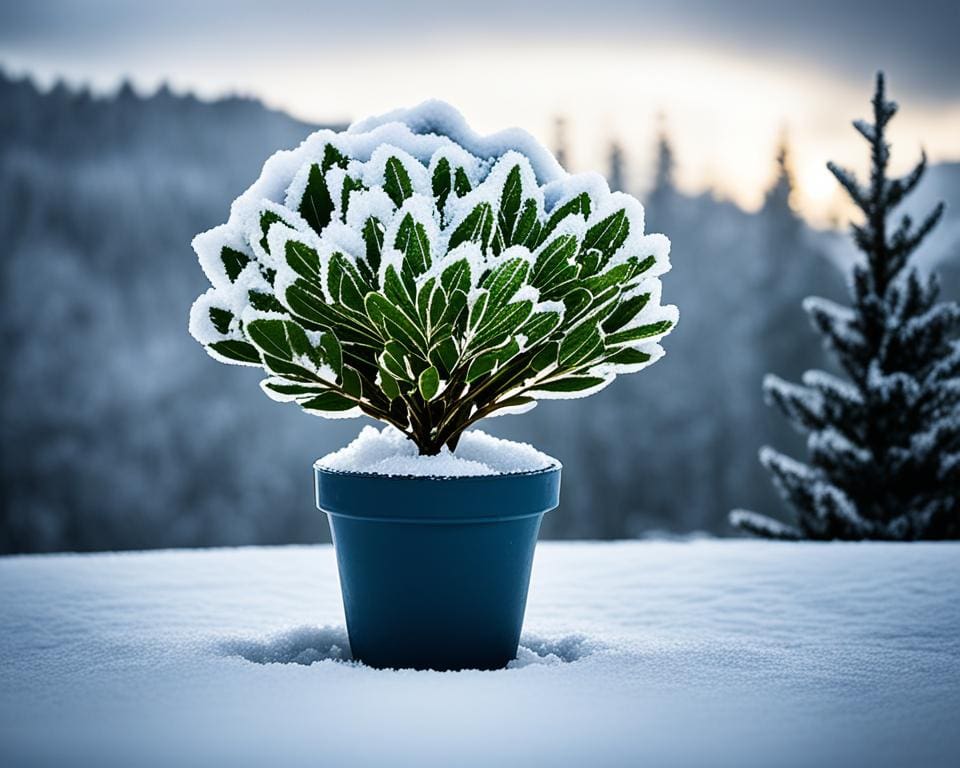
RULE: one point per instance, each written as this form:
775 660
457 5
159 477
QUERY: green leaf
607 235
424 297
576 300
332 352
477 227
516 402
267 219
545 356
579 205
306 301
504 281
272 338
598 307
528 228
268 274
625 311
444 354
461 182
456 276
508 351
497 244
397 182
286 349
221 319
394 323
554 264
351 381
399 292
441 183
303 260
640 332
240 351
412 242
393 359
456 312
539 326
618 275
349 185
481 366
571 384
264 302
233 262
477 310
333 156
373 239
437 307
328 401
344 283
505 323
389 385
644 265
628 356
510 204
429 383
283 387
311 310
581 345
316 206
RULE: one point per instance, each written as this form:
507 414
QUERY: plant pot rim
554 466
437 500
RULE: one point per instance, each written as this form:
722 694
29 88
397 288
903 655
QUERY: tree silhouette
615 173
664 188
884 446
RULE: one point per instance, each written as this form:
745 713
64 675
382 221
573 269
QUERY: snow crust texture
703 653
390 452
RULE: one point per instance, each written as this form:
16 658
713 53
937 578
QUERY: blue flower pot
434 571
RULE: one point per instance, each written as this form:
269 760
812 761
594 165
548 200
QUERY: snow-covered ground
739 653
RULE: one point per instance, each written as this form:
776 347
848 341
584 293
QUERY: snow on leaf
414 271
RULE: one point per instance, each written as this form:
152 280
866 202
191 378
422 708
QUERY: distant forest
118 432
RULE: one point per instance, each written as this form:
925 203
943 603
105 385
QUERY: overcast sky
727 77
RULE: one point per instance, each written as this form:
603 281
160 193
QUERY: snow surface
437 118
388 451
660 653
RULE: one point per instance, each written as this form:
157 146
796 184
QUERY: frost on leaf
413 271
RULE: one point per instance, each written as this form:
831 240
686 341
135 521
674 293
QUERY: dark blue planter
434 571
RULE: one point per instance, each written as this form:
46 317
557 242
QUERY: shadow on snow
307 645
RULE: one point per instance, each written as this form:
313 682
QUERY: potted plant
415 272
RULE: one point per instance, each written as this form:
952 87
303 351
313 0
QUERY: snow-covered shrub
413 271
885 446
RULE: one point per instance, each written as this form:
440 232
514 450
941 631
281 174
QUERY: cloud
914 41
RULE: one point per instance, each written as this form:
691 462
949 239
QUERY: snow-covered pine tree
884 447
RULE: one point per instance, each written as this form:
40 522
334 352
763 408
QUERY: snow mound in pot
389 452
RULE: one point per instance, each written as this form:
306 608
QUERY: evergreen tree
787 268
663 189
615 174
560 141
884 446
778 198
